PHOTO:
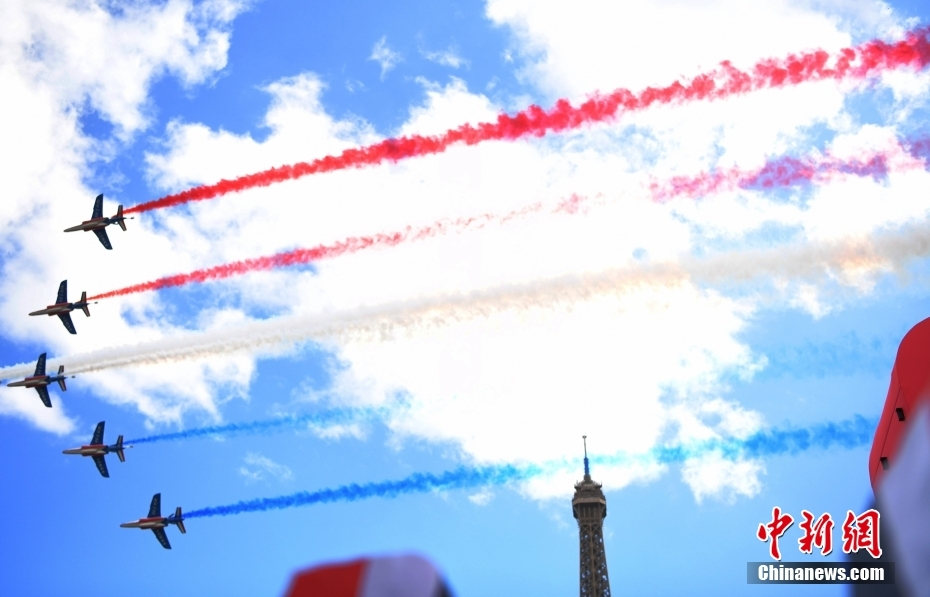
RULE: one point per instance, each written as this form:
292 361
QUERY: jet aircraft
98 223
97 449
156 522
40 381
62 308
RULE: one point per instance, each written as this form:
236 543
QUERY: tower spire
587 471
589 506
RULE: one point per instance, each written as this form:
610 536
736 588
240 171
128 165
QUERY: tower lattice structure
589 507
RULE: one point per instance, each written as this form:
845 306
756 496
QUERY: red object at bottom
386 576
909 387
335 580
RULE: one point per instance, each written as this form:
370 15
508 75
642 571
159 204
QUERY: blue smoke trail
331 417
850 433
792 171
919 147
848 354
459 478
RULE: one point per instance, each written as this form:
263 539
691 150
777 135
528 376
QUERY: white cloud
256 467
717 477
603 45
481 498
353 85
448 57
299 130
446 108
82 53
340 431
26 405
385 56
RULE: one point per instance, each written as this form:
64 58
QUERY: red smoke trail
350 245
789 171
784 171
857 62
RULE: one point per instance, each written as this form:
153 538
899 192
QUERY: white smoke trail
887 251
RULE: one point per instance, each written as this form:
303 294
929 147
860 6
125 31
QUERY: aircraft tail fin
85 307
119 449
119 217
179 519
61 378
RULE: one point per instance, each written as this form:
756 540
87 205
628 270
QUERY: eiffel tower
590 508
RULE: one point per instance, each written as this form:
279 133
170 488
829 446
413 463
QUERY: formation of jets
98 223
96 449
63 308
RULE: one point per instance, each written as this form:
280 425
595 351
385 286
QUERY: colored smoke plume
459 478
330 417
887 251
850 433
789 170
780 172
347 246
857 62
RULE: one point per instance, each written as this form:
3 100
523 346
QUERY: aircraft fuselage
91 450
32 382
88 225
55 309
159 522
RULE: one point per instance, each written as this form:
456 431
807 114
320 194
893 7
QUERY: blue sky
641 323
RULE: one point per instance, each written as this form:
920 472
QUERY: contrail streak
330 417
788 170
919 148
784 171
882 252
857 62
352 244
850 433
459 478
848 354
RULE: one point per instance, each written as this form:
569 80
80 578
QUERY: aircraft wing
40 365
98 434
98 206
155 508
62 292
43 395
66 319
162 537
102 465
102 235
